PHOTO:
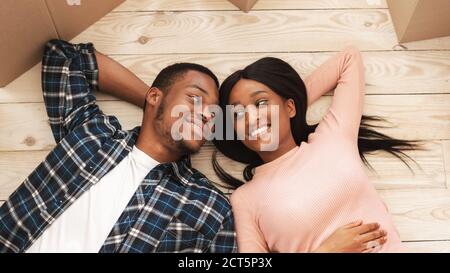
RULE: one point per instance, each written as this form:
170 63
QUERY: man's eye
196 99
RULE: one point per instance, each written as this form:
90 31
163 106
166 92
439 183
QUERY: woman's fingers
353 224
367 228
375 244
371 236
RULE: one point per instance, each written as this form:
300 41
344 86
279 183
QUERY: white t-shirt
86 224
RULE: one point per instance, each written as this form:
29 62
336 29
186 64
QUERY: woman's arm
353 237
116 80
249 237
345 71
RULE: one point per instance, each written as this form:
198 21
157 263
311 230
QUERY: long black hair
286 82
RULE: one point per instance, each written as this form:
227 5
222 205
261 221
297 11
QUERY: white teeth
259 131
196 126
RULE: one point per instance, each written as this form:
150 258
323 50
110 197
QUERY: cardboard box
244 5
70 20
25 26
420 19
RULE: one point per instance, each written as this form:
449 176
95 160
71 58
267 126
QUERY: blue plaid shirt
175 209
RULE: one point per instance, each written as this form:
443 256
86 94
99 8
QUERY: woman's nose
251 117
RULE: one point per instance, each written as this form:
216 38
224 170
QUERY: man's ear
290 105
154 96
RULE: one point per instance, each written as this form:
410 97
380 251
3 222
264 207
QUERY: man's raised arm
117 80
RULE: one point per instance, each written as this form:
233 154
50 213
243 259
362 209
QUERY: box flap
25 27
401 13
244 5
73 16
431 19
420 19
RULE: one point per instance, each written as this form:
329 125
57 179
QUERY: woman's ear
154 96
290 106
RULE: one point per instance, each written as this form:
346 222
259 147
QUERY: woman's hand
354 237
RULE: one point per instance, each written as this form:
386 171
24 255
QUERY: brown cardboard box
70 20
420 19
244 5
25 25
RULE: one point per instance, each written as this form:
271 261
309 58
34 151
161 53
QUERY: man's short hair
167 77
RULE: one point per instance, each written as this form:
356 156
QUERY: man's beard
185 149
179 145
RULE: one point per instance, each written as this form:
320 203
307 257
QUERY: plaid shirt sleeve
69 77
225 240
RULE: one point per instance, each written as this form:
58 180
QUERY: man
105 189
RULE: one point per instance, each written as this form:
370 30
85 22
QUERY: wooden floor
407 83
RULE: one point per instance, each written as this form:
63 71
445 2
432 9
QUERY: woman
314 182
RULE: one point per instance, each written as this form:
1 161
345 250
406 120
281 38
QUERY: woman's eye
239 114
261 103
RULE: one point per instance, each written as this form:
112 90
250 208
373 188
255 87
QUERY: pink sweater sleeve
249 236
345 71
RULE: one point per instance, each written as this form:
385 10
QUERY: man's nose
207 115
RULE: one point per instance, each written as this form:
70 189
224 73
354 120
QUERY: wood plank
29 130
421 117
396 72
202 5
390 173
27 88
16 166
413 116
420 214
429 247
446 153
235 31
24 127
